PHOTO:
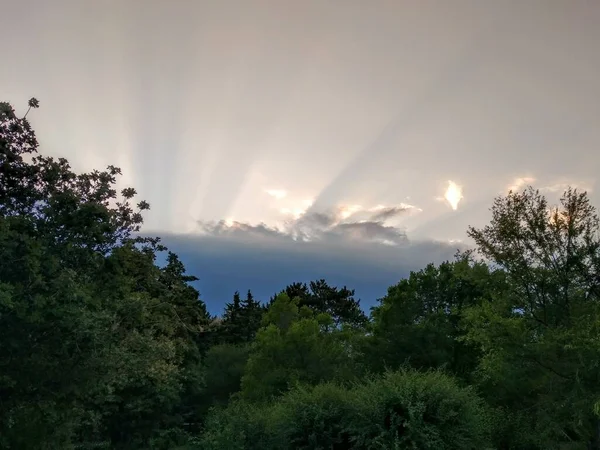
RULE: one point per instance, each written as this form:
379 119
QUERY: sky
282 141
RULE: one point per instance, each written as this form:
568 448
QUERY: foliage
541 356
224 367
96 339
295 346
338 303
399 410
241 319
418 321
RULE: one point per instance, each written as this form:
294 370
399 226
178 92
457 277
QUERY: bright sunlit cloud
343 223
347 210
294 208
453 194
520 183
277 193
295 212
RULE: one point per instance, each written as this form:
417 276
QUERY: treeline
102 348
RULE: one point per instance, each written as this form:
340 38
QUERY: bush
240 426
404 409
408 409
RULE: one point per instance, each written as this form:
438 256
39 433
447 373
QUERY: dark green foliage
251 317
241 319
540 354
223 370
295 346
400 410
97 341
242 426
418 321
320 297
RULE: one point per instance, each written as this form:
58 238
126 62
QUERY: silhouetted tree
320 297
241 319
251 316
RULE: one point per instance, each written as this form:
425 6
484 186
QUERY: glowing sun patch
453 194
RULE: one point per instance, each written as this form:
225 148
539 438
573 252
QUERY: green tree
251 317
241 319
295 346
541 357
231 323
418 321
98 343
232 310
224 366
340 304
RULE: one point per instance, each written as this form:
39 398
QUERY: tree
241 319
541 359
232 310
551 255
338 303
418 321
224 366
98 343
252 312
231 323
294 346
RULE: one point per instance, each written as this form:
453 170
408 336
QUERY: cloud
551 185
231 228
345 223
384 213
360 250
561 187
277 193
519 183
367 232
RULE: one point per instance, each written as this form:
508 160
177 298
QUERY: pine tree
231 321
252 312
241 319
232 310
340 304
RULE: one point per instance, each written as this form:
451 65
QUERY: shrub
405 409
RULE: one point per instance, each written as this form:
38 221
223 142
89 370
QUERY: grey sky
256 111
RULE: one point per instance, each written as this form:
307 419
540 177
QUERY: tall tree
252 312
418 322
541 359
241 319
551 254
232 310
98 343
294 346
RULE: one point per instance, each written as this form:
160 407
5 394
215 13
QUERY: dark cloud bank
366 255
